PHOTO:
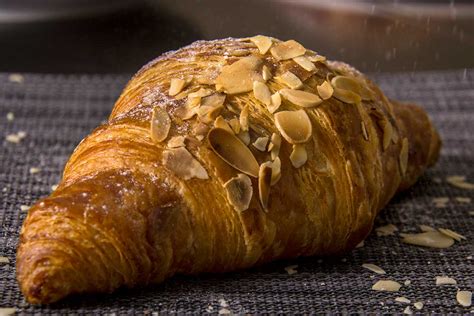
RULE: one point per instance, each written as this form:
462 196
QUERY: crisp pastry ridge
220 156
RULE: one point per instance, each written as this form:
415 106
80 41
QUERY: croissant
220 156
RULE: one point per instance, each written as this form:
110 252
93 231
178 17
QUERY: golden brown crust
121 217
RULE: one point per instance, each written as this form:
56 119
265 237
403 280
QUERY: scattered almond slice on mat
291 269
419 305
402 299
407 311
464 298
460 182
432 239
5 311
462 199
452 234
445 280
373 268
10 116
386 285
4 260
386 230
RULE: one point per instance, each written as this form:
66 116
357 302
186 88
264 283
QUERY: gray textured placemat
57 111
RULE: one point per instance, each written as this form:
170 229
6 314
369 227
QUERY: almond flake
407 282
462 199
176 141
418 305
426 228
54 187
244 119
386 230
407 311
386 285
460 182
239 52
353 85
214 100
235 125
291 269
346 96
275 145
183 164
373 268
239 192
220 122
287 50
298 156
402 299
224 311
364 130
160 124
387 133
294 126
261 143
200 129
445 280
239 77
10 116
316 58
233 151
452 234
13 138
305 63
266 73
264 183
207 114
4 260
403 158
301 98
291 80
263 43
464 298
24 208
17 78
244 136
325 90
276 102
6 311
34 170
276 170
176 86
262 93
360 245
429 239
201 93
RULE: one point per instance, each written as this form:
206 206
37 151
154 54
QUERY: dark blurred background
119 36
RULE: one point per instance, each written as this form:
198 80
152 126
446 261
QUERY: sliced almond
275 145
263 43
207 114
364 130
403 158
291 80
6 311
239 192
276 170
213 100
200 129
387 133
429 239
231 149
176 141
386 230
402 299
261 143
352 84
452 234
275 102
294 126
373 268
325 90
464 298
244 136
386 285
262 93
445 280
301 98
316 58
462 199
220 122
176 85
235 125
266 73
160 124
426 228
201 93
298 156
239 77
460 182
183 164
287 50
264 183
407 311
346 96
305 63
4 260
244 119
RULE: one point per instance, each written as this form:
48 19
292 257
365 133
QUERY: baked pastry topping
301 98
262 93
294 126
325 90
183 164
264 183
239 76
291 80
160 124
298 156
263 43
239 191
287 50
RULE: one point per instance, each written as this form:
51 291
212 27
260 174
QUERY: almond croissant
220 156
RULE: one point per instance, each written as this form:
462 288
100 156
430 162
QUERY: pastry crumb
407 311
10 116
291 269
34 170
386 230
418 305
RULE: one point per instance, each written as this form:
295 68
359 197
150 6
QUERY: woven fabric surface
57 111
